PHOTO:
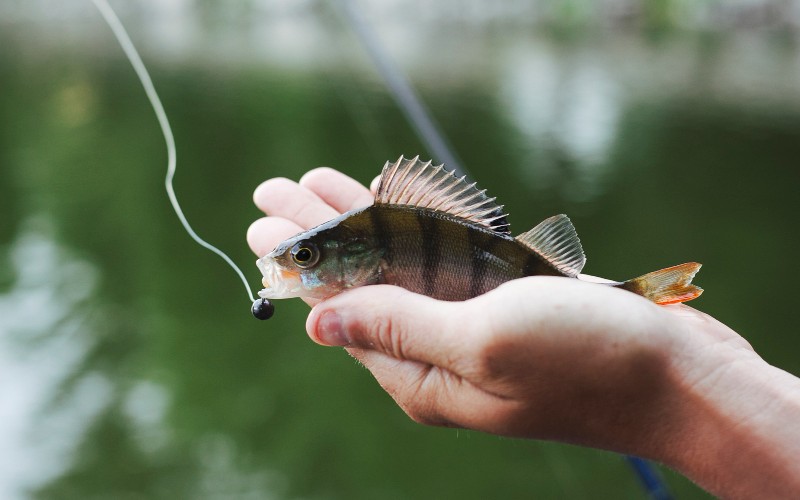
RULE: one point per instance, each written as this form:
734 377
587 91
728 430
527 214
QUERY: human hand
553 358
539 357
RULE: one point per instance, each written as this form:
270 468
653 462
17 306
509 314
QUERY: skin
559 359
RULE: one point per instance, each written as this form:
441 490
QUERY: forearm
739 432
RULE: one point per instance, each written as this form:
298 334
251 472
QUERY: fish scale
435 255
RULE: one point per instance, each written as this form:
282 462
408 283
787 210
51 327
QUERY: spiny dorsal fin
555 239
414 183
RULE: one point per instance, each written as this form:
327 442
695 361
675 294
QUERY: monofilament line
144 77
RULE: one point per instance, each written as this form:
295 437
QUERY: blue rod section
650 478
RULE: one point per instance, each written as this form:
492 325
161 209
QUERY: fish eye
305 254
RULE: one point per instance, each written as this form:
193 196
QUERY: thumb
393 321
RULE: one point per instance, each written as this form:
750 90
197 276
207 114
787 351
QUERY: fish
435 234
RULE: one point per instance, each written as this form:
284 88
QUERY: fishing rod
429 133
401 90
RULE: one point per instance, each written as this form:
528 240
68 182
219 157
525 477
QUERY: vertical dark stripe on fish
431 251
481 245
380 232
532 265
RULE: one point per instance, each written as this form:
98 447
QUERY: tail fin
667 286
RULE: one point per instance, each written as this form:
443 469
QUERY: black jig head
263 309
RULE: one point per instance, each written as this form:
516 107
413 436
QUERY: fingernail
330 330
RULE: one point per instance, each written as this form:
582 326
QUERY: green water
130 364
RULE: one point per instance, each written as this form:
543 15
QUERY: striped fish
433 233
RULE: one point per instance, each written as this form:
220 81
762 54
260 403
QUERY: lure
433 233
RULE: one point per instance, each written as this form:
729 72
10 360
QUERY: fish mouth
279 283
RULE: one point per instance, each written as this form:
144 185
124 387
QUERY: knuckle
424 397
422 417
387 335
431 418
422 412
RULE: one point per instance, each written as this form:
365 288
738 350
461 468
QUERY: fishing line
422 123
401 90
144 77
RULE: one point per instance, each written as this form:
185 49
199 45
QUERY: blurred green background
130 366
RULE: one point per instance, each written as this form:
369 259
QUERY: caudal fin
667 286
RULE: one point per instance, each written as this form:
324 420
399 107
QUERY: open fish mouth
279 283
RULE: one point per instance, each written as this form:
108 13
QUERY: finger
431 395
267 232
285 198
373 186
399 323
338 190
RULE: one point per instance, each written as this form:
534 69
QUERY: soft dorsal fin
414 183
556 240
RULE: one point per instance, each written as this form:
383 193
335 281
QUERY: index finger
338 190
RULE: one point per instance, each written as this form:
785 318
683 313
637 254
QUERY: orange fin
667 286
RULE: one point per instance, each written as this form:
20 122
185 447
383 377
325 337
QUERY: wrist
733 422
